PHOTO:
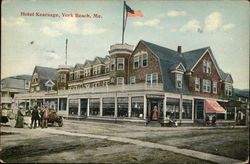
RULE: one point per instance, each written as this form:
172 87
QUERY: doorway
154 109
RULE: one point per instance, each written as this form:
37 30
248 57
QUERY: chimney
179 49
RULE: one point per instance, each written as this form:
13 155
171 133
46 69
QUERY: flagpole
123 28
66 51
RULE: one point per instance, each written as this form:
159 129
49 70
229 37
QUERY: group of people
39 118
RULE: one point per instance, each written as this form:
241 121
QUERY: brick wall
198 72
140 73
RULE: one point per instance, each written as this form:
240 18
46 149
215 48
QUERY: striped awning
211 106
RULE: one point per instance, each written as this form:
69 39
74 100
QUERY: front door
155 107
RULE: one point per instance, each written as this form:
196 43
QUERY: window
214 86
94 106
206 66
78 74
122 106
152 78
120 63
137 106
87 72
187 109
108 106
132 80
35 78
197 84
178 80
106 68
136 62
228 90
112 64
148 78
145 60
73 106
62 103
206 86
94 70
173 108
63 78
120 80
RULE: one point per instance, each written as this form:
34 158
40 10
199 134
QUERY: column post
79 107
67 106
181 107
101 109
164 107
235 113
193 110
116 106
88 108
58 101
129 105
145 107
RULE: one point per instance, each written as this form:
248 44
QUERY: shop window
137 106
132 80
120 63
178 81
173 108
122 106
215 87
108 106
94 106
120 80
73 106
145 59
197 84
136 62
187 109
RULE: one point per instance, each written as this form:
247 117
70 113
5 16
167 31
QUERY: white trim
180 64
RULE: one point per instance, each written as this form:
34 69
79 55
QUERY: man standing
34 117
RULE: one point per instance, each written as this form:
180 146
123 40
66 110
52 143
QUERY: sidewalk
187 152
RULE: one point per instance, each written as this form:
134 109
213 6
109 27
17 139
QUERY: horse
50 117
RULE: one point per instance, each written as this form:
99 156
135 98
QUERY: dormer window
35 78
228 90
106 68
178 80
136 62
120 63
206 66
145 59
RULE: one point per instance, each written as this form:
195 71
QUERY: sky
27 41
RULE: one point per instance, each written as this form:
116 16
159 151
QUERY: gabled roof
77 66
226 76
191 57
46 73
87 62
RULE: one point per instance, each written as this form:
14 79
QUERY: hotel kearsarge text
54 15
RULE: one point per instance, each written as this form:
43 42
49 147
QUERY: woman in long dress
19 120
155 115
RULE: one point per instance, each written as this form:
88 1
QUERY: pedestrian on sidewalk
34 117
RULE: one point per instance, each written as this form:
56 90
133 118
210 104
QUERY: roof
191 57
46 73
21 77
170 59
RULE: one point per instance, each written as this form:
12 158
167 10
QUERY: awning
211 106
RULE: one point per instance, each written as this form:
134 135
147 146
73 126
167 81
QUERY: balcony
111 88
6 99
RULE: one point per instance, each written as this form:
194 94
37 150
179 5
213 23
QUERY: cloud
70 26
50 32
91 29
212 21
173 30
192 25
150 23
14 21
174 13
51 55
227 27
